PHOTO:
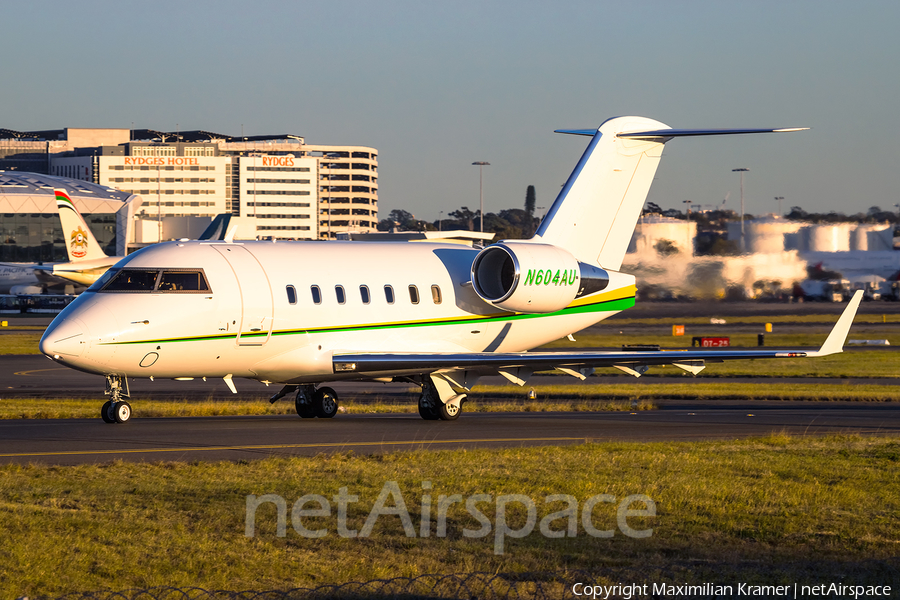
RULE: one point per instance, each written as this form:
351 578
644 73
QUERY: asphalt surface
76 441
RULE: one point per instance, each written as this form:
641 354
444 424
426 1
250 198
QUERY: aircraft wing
518 365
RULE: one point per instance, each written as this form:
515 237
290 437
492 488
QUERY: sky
436 86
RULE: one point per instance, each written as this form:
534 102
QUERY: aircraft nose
66 338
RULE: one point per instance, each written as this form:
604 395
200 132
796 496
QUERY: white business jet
300 314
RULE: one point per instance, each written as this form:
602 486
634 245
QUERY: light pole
741 171
779 199
481 166
441 221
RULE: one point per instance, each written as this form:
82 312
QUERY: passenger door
256 295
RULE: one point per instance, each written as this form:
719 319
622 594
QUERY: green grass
858 364
20 343
773 510
511 400
699 391
752 319
559 397
665 340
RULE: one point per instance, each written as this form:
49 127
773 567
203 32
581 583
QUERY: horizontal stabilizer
673 133
588 132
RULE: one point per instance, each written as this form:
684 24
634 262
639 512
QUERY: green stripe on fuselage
603 306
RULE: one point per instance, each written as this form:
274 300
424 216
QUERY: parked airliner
19 278
301 314
87 260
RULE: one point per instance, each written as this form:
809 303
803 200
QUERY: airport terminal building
286 188
30 230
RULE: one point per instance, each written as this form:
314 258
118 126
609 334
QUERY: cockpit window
132 280
104 279
153 280
182 281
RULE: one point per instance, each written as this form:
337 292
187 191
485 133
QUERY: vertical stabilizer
80 242
595 213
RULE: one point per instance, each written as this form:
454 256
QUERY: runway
77 441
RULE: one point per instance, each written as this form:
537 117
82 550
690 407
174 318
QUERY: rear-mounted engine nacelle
533 278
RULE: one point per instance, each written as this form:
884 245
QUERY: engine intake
533 278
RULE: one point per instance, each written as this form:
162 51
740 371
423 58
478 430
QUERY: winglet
835 341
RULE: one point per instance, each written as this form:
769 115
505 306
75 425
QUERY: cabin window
291 294
316 294
436 294
413 294
341 295
389 294
364 294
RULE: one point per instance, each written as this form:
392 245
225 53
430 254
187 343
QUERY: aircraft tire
121 411
449 412
305 409
428 413
304 401
104 413
428 402
325 402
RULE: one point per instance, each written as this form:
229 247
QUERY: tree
530 204
665 248
652 208
402 220
512 223
722 247
465 218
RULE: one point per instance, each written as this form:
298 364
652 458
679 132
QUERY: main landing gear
439 400
116 410
311 402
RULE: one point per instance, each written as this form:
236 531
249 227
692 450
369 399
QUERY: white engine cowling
532 278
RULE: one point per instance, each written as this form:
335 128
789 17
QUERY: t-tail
595 214
81 244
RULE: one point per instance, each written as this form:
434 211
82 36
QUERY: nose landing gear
116 410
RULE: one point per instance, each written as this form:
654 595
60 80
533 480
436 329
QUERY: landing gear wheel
428 413
449 411
325 401
304 402
120 411
427 408
104 413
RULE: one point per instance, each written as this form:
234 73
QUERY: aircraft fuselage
276 312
